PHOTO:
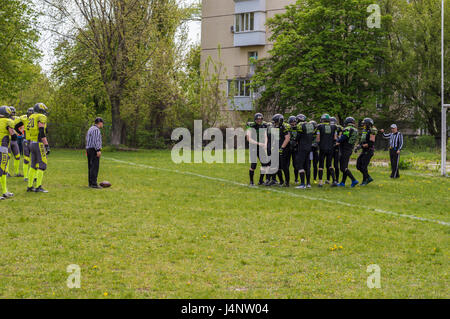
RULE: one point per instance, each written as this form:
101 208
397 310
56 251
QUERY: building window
245 22
241 88
253 55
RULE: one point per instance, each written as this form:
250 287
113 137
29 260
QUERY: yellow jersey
4 131
32 131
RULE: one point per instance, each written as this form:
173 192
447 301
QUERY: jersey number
30 124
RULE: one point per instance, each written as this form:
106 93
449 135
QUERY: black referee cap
98 120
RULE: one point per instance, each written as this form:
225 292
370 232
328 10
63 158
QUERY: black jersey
348 139
283 130
305 136
258 130
327 132
365 137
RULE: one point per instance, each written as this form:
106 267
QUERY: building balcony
243 6
249 38
241 103
244 71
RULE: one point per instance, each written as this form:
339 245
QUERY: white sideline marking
386 212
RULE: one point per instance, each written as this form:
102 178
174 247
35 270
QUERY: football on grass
105 184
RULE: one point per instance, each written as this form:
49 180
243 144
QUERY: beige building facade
238 27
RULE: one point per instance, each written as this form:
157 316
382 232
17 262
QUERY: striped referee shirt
395 140
94 138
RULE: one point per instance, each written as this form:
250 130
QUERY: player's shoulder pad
42 118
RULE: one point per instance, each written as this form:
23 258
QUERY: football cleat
341 184
370 180
308 186
334 184
8 195
30 189
302 186
40 189
354 183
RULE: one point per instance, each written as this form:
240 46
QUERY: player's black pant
336 155
363 162
395 158
326 155
293 152
93 166
288 153
315 161
254 156
343 163
304 164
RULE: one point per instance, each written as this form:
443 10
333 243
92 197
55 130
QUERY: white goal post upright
444 106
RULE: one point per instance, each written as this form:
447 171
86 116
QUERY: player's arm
19 127
43 136
250 139
12 133
344 137
286 141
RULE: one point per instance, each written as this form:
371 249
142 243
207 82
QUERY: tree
120 34
325 59
415 60
18 52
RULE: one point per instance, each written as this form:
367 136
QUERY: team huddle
326 145
31 130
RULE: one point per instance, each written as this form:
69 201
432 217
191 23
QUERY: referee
94 151
395 146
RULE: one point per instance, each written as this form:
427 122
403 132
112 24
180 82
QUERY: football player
336 154
293 145
26 144
39 148
257 135
347 143
284 138
305 139
14 150
367 144
326 137
315 153
7 134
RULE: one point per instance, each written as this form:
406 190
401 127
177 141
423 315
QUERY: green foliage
405 163
18 52
325 58
415 61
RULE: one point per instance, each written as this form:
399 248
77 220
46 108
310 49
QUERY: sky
47 40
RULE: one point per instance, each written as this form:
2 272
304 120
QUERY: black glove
14 137
47 149
281 151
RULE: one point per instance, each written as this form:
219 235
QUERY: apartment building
238 27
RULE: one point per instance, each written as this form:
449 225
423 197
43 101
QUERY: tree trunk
117 124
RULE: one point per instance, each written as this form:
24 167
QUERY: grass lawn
204 234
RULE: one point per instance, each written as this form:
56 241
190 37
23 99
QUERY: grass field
196 231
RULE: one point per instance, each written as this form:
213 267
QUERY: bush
405 163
